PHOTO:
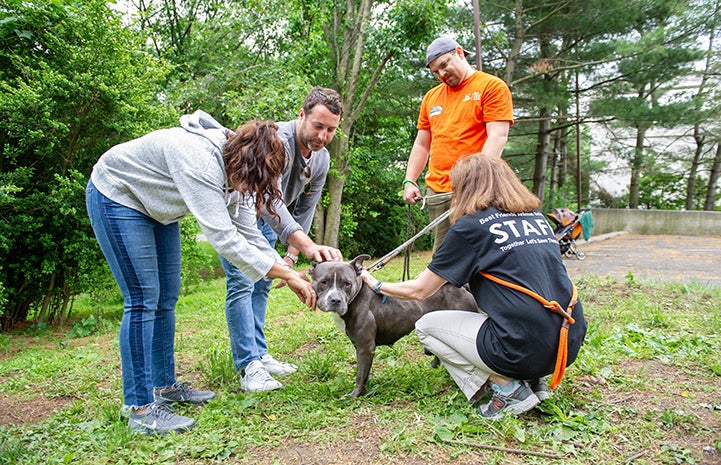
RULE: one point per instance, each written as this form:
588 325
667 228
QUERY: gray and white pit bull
368 319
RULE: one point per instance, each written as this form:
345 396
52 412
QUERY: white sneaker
255 378
275 367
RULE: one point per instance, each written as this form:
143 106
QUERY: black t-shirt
520 338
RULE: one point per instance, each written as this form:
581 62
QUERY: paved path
665 258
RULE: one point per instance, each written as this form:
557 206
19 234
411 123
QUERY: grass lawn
646 389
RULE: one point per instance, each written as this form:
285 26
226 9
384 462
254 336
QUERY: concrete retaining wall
690 223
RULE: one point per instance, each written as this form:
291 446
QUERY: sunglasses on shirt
306 173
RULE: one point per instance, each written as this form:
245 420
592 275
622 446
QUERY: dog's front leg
364 357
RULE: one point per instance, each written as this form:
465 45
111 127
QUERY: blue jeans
144 257
245 308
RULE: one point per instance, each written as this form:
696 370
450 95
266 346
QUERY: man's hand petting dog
370 320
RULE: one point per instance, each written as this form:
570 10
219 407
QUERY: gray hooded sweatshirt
169 173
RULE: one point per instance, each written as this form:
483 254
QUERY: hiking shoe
159 420
255 378
539 388
275 367
520 400
183 393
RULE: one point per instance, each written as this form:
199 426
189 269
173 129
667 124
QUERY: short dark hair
329 98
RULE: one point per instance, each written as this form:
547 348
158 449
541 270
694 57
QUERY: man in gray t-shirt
306 167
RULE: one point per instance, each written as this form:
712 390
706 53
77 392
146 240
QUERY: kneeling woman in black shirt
531 323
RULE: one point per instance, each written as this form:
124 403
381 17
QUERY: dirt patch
669 395
16 411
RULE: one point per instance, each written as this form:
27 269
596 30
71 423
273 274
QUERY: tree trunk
697 135
346 35
318 228
713 180
636 168
65 307
691 183
519 36
563 154
334 184
559 173
48 299
332 218
542 150
555 161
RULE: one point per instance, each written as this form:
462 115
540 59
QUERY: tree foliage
73 82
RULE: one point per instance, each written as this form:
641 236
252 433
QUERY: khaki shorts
438 203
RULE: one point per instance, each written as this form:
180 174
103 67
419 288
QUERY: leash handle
381 262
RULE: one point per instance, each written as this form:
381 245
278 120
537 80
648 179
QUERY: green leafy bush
72 84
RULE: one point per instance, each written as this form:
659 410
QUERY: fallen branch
504 449
636 456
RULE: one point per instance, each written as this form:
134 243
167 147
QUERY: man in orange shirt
468 112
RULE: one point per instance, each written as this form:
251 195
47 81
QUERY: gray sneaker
277 368
183 393
521 400
159 420
255 378
539 388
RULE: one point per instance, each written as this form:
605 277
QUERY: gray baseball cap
441 46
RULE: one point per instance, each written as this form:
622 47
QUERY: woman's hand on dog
283 282
301 286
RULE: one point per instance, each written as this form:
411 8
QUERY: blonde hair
481 181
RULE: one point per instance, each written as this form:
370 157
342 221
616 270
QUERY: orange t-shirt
457 117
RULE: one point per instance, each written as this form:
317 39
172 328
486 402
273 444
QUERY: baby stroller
569 227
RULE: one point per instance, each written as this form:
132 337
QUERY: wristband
408 181
377 290
377 287
293 258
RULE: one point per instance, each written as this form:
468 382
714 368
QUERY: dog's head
337 283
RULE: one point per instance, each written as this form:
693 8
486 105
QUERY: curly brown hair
254 160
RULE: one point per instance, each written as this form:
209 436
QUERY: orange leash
555 307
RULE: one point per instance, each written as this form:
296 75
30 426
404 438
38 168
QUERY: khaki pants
451 336
438 203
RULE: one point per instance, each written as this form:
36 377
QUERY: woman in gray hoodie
138 192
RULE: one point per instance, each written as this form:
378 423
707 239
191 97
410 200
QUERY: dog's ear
357 263
312 267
